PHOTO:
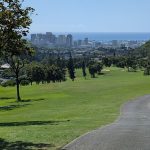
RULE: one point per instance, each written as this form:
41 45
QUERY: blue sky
90 15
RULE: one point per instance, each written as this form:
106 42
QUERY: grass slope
55 114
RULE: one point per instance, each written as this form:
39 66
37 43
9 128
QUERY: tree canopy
15 21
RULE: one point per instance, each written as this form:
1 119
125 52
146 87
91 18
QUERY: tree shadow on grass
26 100
102 73
6 98
20 145
32 100
31 123
18 104
12 107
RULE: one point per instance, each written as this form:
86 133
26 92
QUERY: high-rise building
79 42
49 37
69 40
61 40
49 33
54 39
33 38
41 39
39 36
75 44
86 41
115 43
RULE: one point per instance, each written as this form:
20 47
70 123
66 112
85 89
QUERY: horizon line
87 32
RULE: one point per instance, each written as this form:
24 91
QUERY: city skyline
90 16
50 40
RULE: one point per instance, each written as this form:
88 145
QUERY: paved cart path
130 132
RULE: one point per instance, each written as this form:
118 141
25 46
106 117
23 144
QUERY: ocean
109 36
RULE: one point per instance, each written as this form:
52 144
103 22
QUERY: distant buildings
49 40
69 40
33 38
61 40
86 41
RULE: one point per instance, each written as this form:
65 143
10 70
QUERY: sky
90 15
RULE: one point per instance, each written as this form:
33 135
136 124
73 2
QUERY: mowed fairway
57 113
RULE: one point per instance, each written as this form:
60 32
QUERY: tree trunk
128 69
93 75
18 88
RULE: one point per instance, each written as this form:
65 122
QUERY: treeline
52 69
57 68
131 63
37 72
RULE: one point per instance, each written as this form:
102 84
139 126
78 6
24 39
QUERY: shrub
8 83
147 70
24 82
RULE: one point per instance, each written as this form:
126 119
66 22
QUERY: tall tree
84 69
38 73
92 70
107 61
14 25
99 67
71 68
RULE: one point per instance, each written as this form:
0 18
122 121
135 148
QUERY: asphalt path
131 131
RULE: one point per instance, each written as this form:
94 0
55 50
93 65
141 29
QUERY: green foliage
84 69
92 70
144 50
147 71
37 72
131 63
71 69
143 62
95 68
99 67
55 74
14 25
8 83
24 82
121 63
107 61
7 73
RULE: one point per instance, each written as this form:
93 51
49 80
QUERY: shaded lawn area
54 114
19 145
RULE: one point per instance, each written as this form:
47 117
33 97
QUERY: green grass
71 108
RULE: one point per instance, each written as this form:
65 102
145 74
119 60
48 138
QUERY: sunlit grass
71 108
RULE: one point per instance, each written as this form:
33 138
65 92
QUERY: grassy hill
54 114
144 50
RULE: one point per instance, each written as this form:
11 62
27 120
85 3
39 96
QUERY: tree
92 70
107 61
131 64
147 70
71 68
99 67
29 72
14 25
38 73
84 69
